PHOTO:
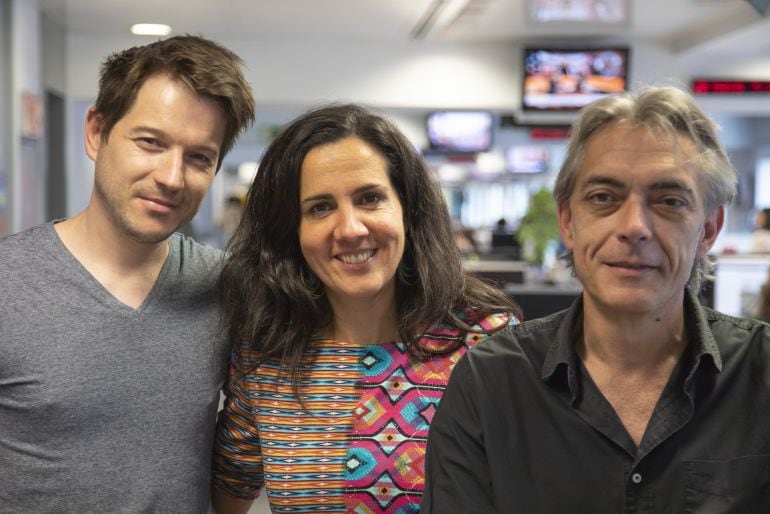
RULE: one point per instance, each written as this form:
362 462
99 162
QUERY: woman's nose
350 224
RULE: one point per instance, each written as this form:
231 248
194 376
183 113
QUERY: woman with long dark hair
346 299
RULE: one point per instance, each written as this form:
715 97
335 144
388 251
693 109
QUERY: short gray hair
664 109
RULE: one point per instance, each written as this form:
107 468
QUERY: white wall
27 172
424 74
292 72
289 75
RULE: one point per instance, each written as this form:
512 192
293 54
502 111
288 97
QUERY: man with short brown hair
112 360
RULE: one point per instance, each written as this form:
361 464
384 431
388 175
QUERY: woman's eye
371 198
319 208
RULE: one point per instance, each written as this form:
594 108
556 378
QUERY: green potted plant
539 226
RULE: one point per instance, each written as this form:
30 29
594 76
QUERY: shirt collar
561 364
703 346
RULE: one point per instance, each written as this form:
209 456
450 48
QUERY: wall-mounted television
568 79
527 159
460 131
605 12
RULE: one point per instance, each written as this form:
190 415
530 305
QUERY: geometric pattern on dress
429 411
375 360
359 464
400 503
404 466
389 437
360 445
409 414
395 437
396 384
386 359
371 411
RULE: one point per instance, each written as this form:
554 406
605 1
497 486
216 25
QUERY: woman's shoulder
480 325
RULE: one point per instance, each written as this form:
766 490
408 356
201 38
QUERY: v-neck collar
107 296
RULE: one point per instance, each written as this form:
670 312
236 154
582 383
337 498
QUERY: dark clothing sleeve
457 475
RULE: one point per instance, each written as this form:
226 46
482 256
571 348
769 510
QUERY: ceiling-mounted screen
568 79
460 131
580 11
527 159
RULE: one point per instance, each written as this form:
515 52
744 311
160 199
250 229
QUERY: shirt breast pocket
740 485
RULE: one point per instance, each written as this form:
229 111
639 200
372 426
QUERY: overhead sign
729 87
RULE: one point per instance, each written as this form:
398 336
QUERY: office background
404 57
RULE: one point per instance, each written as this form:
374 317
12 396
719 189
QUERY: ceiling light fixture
439 14
150 29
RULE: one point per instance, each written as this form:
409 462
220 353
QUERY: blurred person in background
229 219
760 238
763 306
345 296
112 361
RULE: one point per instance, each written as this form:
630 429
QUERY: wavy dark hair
266 299
207 68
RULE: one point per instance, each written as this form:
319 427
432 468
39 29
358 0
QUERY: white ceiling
725 27
687 38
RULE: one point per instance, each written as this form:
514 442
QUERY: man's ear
712 226
93 133
565 223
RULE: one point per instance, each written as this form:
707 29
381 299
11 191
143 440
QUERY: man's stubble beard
124 225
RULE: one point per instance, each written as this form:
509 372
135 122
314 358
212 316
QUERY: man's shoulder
529 340
195 257
29 243
731 332
35 233
714 317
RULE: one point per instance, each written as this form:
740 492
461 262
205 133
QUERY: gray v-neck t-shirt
103 407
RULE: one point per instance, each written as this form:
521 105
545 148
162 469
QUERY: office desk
535 300
539 300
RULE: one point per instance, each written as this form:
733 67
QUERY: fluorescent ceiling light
440 14
150 29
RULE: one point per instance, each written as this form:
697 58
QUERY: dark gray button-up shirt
522 428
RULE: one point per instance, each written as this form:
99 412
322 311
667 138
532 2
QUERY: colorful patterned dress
359 444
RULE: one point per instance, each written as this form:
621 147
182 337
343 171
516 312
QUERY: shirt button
636 478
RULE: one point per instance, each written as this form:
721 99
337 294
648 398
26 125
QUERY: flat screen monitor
579 11
460 131
568 79
527 159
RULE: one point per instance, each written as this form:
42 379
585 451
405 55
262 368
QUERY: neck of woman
364 322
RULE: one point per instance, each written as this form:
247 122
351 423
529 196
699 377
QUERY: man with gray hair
637 398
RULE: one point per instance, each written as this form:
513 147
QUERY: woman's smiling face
351 229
